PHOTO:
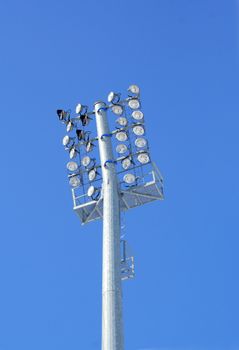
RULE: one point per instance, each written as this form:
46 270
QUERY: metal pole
112 324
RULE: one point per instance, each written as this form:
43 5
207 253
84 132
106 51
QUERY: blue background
184 56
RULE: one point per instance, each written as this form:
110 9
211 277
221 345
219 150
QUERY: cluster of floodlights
130 127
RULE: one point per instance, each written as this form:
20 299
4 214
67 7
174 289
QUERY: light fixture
134 103
67 140
138 130
69 126
73 153
81 108
134 89
85 119
122 121
121 148
126 163
75 181
113 97
121 136
129 178
63 115
92 174
140 142
143 158
117 109
138 115
72 166
85 161
89 146
93 192
81 134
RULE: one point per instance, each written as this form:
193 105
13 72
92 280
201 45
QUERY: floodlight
140 142
93 192
122 121
85 119
121 148
117 109
113 97
73 153
92 174
85 161
62 115
89 146
138 115
121 136
134 89
129 178
81 108
75 181
80 134
134 103
126 163
72 166
69 126
138 130
143 158
67 140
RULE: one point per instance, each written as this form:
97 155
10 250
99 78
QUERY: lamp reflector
73 153
134 89
69 126
138 115
138 130
122 121
117 109
91 191
92 174
121 148
143 158
86 161
113 97
66 140
129 178
121 136
134 103
140 142
126 163
89 146
74 181
72 166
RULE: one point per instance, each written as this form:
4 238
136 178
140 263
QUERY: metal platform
132 197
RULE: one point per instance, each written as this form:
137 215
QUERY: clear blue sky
184 55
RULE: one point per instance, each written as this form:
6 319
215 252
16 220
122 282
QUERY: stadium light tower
124 178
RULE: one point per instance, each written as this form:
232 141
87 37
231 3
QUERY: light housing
63 115
89 146
122 121
138 130
121 136
117 109
134 103
113 97
81 108
138 115
75 181
129 178
85 161
126 163
67 140
69 126
73 153
143 158
92 174
134 89
140 142
72 166
121 148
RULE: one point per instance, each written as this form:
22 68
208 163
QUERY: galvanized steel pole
112 323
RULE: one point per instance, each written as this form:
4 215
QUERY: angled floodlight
143 158
113 97
74 181
69 126
122 121
121 136
138 115
93 192
117 109
89 146
85 119
72 166
138 130
129 178
140 142
134 103
73 153
92 174
81 134
121 148
126 163
85 161
68 141
134 89
63 115
81 109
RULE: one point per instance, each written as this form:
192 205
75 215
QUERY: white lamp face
122 121
85 161
89 147
134 103
121 136
134 89
126 163
92 175
143 158
129 178
69 126
74 181
73 153
117 109
72 166
121 148
138 130
90 191
65 140
140 142
111 96
78 108
138 115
